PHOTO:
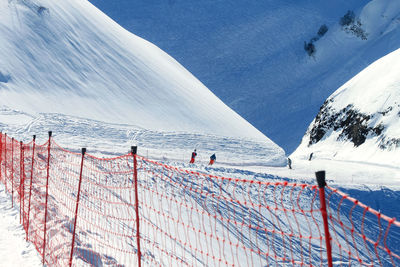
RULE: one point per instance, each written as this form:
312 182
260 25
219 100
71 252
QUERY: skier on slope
289 163
212 159
194 154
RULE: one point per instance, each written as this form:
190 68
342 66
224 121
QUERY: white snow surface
68 57
375 92
374 89
14 250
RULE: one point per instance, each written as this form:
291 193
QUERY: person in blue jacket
212 159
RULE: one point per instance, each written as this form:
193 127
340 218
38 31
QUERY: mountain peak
360 121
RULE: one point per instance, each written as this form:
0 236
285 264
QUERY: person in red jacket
212 159
194 154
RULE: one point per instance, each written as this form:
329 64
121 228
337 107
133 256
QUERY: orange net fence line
81 210
210 220
361 234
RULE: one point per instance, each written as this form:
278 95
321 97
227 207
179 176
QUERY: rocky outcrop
353 125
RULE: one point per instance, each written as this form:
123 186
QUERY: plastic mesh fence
38 198
106 232
193 219
186 218
361 235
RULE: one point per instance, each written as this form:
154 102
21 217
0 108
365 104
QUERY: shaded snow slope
251 55
68 57
361 120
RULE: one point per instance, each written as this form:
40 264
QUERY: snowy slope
67 57
251 55
360 121
20 91
14 250
110 139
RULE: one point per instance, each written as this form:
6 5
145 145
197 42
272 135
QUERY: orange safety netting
80 210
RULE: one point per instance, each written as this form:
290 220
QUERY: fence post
21 180
23 186
5 160
1 156
321 184
135 176
47 196
30 185
12 172
77 206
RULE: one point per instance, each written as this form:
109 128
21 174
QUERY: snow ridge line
186 217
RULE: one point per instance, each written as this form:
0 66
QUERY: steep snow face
68 57
361 120
251 53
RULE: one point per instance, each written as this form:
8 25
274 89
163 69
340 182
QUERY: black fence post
30 183
135 176
12 172
320 175
47 196
5 160
77 206
21 181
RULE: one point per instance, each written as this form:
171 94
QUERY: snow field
14 250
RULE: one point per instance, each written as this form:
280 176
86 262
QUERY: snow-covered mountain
66 67
67 57
251 53
360 121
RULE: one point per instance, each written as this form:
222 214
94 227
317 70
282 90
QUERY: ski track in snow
115 139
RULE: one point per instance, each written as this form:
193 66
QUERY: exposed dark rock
321 124
352 25
357 30
310 48
379 129
386 111
322 30
348 18
352 124
389 143
41 10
